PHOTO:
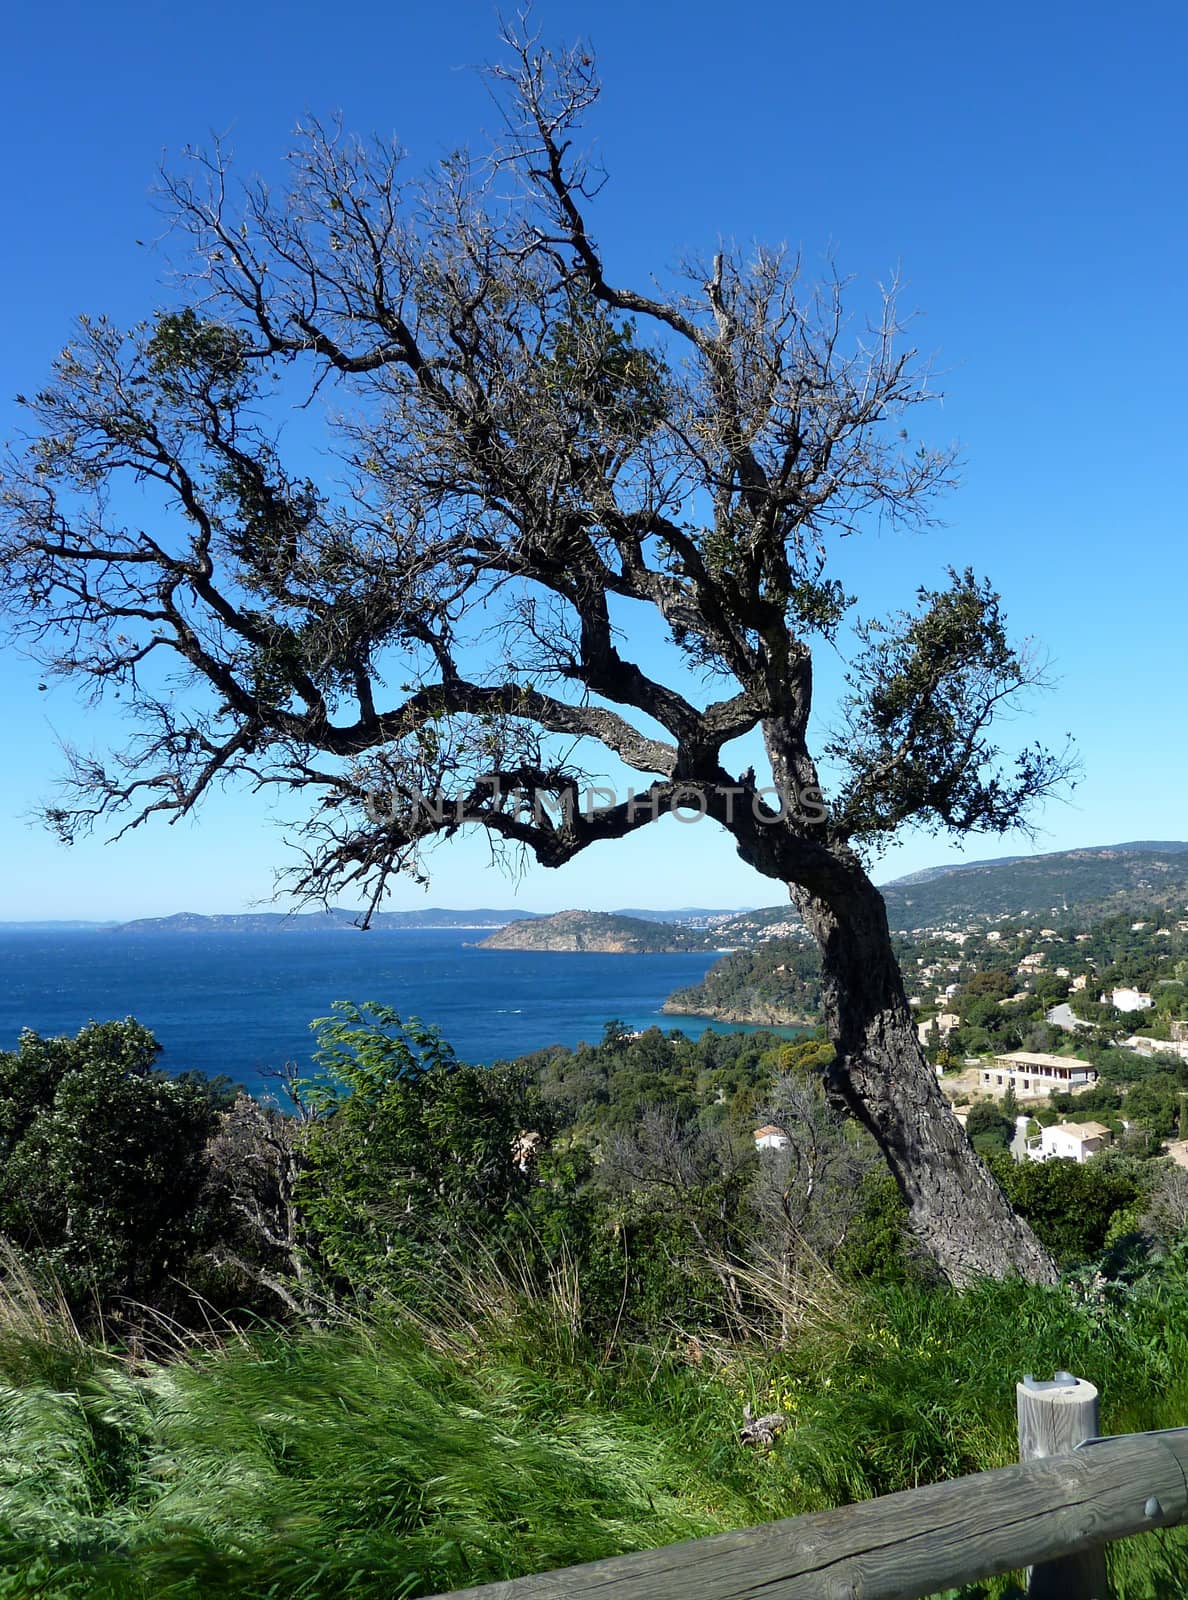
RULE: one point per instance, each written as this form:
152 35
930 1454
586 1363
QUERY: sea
242 1003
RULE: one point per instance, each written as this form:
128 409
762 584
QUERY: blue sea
241 1003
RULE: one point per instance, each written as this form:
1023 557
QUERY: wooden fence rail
1050 1509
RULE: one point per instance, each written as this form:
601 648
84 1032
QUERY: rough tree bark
882 1077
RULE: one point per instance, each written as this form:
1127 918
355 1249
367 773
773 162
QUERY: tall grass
396 1457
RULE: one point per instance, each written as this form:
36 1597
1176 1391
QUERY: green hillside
599 932
778 983
1068 885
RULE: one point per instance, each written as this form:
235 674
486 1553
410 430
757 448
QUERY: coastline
766 1017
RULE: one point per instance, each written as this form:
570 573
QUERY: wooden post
1054 1418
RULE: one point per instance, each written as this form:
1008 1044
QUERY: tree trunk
958 1212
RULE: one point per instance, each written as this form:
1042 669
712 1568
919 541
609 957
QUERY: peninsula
601 933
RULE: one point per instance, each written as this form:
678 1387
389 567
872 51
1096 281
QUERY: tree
408 1154
670 1166
103 1163
808 1193
1073 1207
987 1127
1154 1103
529 456
255 1169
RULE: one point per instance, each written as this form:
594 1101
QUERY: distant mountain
1066 886
59 925
691 916
773 975
927 874
1062 887
601 932
336 918
753 927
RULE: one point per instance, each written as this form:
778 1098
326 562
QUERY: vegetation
775 983
400 1457
102 1163
408 1151
458 1324
605 931
1068 885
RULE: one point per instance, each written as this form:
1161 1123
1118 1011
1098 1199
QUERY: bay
241 1003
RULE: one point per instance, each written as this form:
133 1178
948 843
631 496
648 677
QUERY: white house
771 1138
1070 1141
1130 1000
1032 1074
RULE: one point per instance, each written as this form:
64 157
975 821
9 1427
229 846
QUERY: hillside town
1055 1042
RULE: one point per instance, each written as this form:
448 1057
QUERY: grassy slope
371 1463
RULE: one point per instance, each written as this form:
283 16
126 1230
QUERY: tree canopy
521 448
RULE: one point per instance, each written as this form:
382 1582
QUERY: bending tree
525 457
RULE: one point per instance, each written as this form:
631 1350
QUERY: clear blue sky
1025 165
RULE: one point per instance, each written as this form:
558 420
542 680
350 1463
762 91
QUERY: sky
1024 169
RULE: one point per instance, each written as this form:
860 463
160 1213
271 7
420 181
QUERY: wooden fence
1070 1495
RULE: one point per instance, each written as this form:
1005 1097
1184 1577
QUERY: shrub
102 1162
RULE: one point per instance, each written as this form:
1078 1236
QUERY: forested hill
599 932
775 984
1069 885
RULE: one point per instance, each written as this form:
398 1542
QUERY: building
1068 1141
1032 1074
1129 1000
944 1025
771 1138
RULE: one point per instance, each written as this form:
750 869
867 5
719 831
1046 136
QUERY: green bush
988 1128
102 1163
1072 1207
410 1151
